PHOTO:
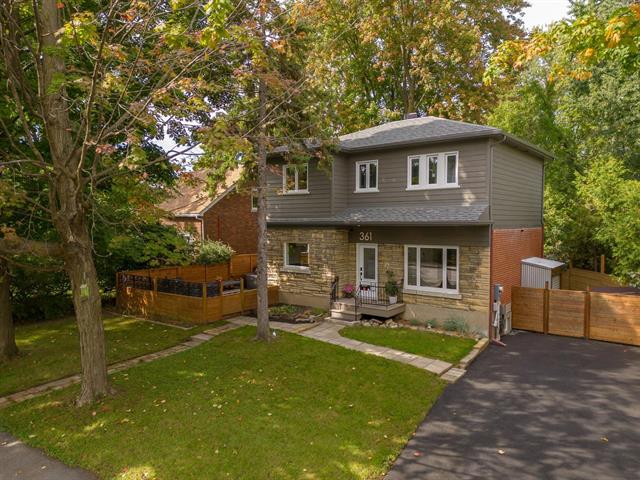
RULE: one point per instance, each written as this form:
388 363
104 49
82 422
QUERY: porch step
345 315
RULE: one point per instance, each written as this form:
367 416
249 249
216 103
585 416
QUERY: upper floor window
295 178
433 269
432 170
254 200
367 176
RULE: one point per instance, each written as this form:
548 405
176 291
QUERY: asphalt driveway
543 407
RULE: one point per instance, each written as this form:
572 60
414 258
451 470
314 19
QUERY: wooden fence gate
598 316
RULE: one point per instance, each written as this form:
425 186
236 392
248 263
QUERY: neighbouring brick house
229 216
449 207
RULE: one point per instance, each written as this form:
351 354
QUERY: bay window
431 269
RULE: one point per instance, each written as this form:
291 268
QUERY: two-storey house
449 207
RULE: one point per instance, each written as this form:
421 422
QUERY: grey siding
340 181
462 236
392 177
317 203
517 183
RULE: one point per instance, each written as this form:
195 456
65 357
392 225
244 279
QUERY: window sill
291 269
434 187
296 192
366 190
254 210
431 293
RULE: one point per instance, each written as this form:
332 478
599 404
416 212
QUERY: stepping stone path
329 332
193 341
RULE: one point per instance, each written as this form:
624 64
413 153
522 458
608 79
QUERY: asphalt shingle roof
419 215
413 130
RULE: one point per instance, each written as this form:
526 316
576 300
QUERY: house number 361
366 236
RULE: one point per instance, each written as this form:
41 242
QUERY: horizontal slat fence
194 293
238 266
580 279
600 316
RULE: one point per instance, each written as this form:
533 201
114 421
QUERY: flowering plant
348 290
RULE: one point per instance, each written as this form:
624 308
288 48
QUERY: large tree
575 93
400 56
87 84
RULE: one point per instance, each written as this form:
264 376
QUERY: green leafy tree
88 84
400 56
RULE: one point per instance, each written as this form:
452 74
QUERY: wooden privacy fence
580 279
196 294
598 316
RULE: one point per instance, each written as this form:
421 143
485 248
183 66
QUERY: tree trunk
87 304
8 347
66 200
263 291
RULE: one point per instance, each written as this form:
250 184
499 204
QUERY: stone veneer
330 254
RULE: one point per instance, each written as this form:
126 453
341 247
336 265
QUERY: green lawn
233 408
429 344
51 350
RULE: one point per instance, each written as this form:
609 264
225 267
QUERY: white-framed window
432 170
296 256
367 176
295 178
254 200
431 268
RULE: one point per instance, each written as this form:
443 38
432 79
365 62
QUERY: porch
368 300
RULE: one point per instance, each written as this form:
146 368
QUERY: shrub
432 323
391 287
213 251
456 324
283 309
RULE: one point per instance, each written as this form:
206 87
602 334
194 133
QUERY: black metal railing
372 294
334 289
139 282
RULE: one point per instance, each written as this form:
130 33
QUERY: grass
428 344
233 408
51 350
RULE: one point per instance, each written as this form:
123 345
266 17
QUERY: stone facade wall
330 254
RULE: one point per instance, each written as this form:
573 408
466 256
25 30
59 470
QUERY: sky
543 12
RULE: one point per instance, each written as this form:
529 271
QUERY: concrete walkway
329 332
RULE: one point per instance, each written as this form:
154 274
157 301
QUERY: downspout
492 144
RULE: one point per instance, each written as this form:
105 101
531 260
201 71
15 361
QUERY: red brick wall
192 225
508 247
232 221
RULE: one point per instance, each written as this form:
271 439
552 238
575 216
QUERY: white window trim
254 194
284 180
368 189
424 171
418 288
293 268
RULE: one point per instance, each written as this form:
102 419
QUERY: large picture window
431 269
296 256
367 176
433 170
295 178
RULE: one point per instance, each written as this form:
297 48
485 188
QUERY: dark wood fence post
587 313
204 301
545 309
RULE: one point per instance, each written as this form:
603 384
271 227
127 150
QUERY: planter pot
393 300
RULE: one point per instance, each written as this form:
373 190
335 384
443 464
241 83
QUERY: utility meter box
535 272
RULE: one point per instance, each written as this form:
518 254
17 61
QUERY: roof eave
340 223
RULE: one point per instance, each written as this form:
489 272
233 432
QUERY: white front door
367 264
